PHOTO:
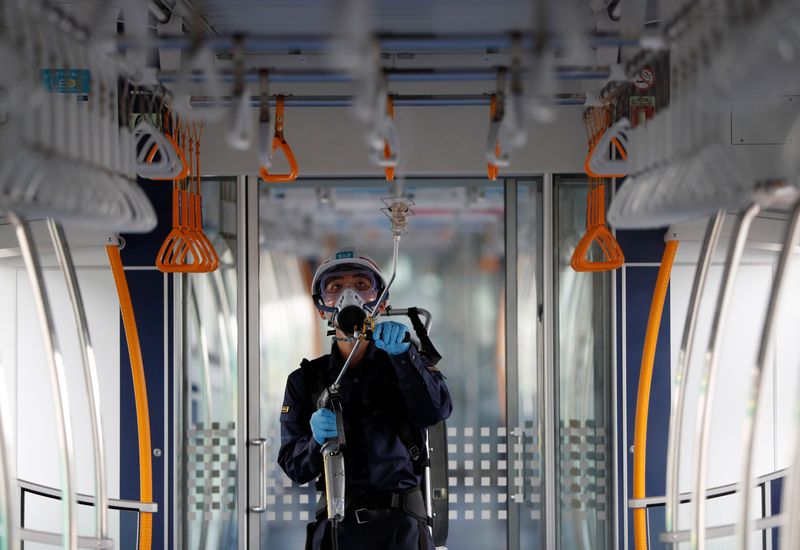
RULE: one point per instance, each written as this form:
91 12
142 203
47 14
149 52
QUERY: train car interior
364 274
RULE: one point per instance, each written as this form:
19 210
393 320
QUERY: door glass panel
583 363
529 359
210 395
451 263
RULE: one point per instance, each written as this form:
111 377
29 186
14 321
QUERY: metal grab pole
710 368
757 377
790 504
684 360
89 372
8 481
58 380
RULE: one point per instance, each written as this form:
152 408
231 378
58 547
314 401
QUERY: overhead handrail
240 123
89 373
757 383
279 142
139 393
596 229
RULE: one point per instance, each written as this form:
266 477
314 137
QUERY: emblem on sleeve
285 409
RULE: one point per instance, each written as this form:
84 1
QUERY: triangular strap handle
280 142
293 170
613 257
597 163
157 156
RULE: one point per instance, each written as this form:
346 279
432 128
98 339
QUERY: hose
643 398
140 396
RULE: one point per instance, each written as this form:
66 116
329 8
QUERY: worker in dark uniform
389 395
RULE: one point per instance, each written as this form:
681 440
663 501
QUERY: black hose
334 535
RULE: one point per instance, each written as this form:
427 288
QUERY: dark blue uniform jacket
373 393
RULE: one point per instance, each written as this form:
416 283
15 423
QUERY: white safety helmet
344 261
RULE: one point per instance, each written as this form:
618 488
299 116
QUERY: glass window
452 264
583 362
210 383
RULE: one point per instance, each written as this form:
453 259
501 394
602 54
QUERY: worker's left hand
389 335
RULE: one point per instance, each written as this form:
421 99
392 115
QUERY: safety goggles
360 280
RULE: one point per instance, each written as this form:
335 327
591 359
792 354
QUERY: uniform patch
285 409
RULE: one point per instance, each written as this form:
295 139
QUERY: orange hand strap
387 150
597 120
492 170
280 142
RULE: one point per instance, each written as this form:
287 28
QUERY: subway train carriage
400 275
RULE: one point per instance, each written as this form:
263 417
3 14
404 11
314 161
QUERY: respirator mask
349 295
349 314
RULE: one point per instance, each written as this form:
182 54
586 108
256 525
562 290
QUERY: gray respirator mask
350 312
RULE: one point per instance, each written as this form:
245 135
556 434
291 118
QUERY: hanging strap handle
492 170
279 141
387 148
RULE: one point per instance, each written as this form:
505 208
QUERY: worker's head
346 287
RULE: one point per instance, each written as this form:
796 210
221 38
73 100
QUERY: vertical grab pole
9 536
708 375
684 360
756 386
58 380
140 396
643 398
790 505
89 374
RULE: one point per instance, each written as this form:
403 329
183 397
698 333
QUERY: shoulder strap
411 441
425 344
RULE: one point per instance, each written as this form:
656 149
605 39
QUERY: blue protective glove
389 335
323 425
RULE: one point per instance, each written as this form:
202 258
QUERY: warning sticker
645 80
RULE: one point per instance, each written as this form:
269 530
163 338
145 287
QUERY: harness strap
370 506
426 346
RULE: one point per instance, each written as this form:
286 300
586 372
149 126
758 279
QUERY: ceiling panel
314 17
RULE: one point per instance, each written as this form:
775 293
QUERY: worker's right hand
323 425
